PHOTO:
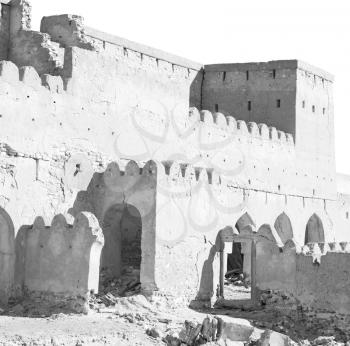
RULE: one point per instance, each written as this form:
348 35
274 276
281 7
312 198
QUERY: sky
316 31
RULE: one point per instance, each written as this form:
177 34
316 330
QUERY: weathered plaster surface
120 188
61 258
317 276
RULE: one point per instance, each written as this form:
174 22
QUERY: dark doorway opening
237 281
314 232
122 254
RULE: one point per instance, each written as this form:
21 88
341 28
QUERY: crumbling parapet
68 30
23 46
32 48
60 261
21 16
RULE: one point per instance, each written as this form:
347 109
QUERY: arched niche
7 255
314 232
283 227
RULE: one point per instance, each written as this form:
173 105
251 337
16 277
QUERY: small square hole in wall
249 105
313 108
216 107
278 103
303 104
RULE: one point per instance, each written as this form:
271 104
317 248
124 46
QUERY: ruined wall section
32 48
60 259
325 286
24 46
314 276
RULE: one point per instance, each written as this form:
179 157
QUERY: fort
115 155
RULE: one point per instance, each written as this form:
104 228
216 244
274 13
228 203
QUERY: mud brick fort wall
91 122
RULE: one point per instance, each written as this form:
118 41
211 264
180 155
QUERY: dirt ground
135 321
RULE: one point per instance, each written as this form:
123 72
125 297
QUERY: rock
324 340
235 329
17 309
230 343
271 338
129 317
153 332
172 340
191 331
206 329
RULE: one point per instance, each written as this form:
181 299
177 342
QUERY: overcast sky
316 31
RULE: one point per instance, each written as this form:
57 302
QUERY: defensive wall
314 275
73 100
37 162
182 210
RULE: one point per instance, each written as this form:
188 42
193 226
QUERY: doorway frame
222 252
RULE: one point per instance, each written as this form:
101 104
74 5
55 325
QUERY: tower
290 95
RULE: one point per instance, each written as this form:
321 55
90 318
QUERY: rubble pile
216 330
237 279
112 288
200 333
271 297
41 304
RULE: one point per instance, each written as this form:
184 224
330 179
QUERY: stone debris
154 333
113 288
194 333
236 279
270 297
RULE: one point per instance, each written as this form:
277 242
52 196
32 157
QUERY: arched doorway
283 227
7 255
241 253
121 255
314 232
238 263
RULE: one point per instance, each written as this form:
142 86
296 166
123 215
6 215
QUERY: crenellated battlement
28 75
312 249
171 170
240 127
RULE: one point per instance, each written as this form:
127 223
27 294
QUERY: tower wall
315 126
4 29
290 95
251 92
